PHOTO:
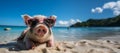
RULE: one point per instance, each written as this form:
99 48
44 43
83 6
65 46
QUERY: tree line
109 22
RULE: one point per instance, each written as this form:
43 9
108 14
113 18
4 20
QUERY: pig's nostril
39 30
44 31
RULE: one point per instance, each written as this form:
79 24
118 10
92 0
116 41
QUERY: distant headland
109 22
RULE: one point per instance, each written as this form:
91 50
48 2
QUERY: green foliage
109 22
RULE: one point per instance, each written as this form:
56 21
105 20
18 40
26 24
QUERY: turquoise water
63 33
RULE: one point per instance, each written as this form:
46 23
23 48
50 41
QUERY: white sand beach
103 45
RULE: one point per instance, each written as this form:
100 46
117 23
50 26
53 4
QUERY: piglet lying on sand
38 31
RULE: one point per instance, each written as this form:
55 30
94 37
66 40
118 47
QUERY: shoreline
109 44
112 38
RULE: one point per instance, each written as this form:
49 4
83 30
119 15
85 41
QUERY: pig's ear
26 19
51 21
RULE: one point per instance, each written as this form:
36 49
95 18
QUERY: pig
38 31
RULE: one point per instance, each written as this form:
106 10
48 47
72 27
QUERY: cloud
93 10
116 12
61 22
109 5
78 20
72 21
97 10
114 6
68 22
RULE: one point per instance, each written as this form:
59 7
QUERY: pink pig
38 31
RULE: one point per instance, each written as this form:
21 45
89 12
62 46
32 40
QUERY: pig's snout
41 30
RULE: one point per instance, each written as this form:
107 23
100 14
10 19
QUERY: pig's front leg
50 43
29 44
22 36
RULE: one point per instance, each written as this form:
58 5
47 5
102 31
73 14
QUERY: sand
103 45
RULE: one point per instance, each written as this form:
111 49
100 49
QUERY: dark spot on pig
33 22
49 22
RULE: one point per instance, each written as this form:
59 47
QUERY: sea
63 33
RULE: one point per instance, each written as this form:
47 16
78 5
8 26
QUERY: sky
67 11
